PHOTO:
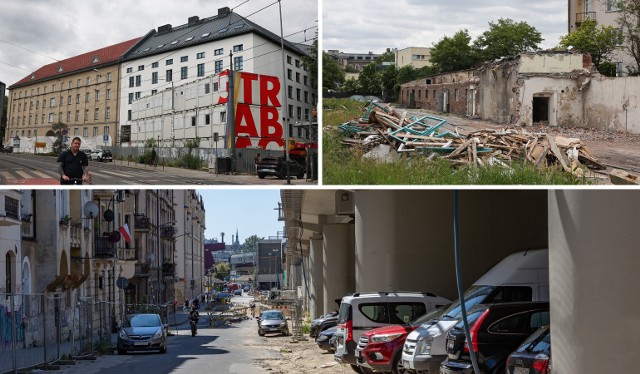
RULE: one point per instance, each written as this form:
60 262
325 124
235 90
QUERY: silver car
272 321
143 332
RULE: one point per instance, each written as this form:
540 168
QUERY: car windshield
474 295
144 320
472 317
272 316
432 315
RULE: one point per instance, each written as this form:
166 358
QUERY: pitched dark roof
199 31
86 61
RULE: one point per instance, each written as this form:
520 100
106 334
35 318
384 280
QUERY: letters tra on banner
257 117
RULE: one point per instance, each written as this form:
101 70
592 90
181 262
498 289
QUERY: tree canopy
599 42
506 38
369 79
332 74
250 244
454 53
629 20
311 62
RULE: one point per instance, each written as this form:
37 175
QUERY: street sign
192 283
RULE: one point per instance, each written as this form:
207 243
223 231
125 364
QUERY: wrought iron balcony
143 223
168 232
104 247
168 268
142 270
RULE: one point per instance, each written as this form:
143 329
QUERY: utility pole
285 108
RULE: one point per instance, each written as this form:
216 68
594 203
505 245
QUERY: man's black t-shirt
72 165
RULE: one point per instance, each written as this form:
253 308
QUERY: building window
138 95
97 95
297 63
218 51
79 83
290 92
69 100
96 115
131 81
218 66
86 97
207 119
107 113
183 72
215 86
68 116
78 99
290 111
298 77
612 6
51 117
52 102
138 80
108 94
289 60
86 115
129 70
98 77
77 115
154 77
237 63
169 62
76 132
105 131
184 58
129 115
289 74
306 113
298 91
88 81
85 132
140 67
223 117
207 88
169 76
95 131
201 70
200 55
130 97
154 64
299 113
237 48
193 120
306 97
108 77
153 92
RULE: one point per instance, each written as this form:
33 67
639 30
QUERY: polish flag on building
124 230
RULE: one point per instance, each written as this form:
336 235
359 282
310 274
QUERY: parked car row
399 332
277 167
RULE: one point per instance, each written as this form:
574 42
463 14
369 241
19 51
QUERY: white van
364 311
522 276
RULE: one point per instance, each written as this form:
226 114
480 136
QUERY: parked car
325 340
238 292
7 149
361 312
533 356
277 167
101 155
380 349
522 276
322 323
272 321
142 332
496 330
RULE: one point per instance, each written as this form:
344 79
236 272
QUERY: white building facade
170 78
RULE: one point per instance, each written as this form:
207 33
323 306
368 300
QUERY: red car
380 349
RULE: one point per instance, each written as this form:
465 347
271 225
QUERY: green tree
332 74
507 38
351 86
385 57
250 244
629 21
222 270
311 62
597 41
370 80
389 78
407 73
454 53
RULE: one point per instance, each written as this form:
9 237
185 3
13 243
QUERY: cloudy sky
59 29
374 25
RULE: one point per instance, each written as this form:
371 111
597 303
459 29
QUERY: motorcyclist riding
193 320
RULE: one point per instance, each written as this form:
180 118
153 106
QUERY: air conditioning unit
120 196
345 203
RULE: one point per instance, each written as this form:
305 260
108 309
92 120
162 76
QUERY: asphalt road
232 349
28 169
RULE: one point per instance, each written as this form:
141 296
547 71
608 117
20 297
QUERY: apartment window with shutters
201 70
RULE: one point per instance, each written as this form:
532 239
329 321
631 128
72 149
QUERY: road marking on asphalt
41 174
24 174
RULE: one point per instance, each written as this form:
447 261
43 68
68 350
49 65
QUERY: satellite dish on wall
90 210
108 215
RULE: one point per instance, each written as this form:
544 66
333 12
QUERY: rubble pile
432 136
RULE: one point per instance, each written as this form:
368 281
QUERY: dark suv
533 356
277 167
496 330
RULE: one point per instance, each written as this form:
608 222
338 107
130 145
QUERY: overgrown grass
343 165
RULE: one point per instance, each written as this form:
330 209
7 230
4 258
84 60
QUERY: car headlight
385 338
424 346
157 334
123 335
283 324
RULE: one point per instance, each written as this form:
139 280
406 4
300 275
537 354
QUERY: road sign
122 282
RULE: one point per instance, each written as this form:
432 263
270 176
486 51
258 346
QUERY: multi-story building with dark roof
173 80
81 92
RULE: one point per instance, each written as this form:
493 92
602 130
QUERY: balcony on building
142 222
142 270
75 236
168 232
168 268
127 254
104 247
10 212
583 16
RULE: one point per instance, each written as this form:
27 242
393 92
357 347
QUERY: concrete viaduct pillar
337 263
315 279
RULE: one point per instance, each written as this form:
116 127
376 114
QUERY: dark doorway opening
540 109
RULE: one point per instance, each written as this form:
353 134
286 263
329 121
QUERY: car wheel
285 332
355 368
396 364
282 175
301 174
260 333
261 176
